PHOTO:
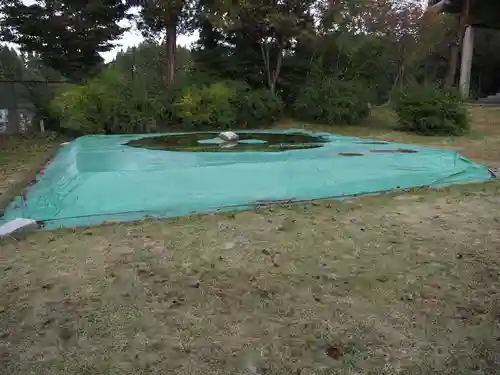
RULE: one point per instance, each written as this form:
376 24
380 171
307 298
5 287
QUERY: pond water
247 142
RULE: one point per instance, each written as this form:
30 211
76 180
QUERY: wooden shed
17 109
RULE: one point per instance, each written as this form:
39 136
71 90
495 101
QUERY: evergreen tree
67 35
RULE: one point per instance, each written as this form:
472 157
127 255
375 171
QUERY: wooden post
466 66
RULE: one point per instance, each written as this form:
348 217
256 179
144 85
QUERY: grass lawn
20 159
397 284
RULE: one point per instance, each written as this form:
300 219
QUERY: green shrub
261 108
332 101
428 110
206 106
109 104
226 104
256 108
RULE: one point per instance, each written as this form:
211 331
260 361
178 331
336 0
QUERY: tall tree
271 27
67 34
166 18
11 64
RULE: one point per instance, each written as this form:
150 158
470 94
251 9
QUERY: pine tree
68 35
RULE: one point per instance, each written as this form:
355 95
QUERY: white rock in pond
228 136
17 226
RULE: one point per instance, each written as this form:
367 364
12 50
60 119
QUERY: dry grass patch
398 284
20 157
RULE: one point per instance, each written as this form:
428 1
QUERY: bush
331 101
109 104
256 108
226 104
207 106
428 110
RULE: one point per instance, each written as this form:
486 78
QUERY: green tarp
100 178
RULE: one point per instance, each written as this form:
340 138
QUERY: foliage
68 35
428 110
224 105
260 108
207 106
11 66
108 104
166 17
262 33
130 96
320 60
331 101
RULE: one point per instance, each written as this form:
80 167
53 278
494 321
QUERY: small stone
333 352
196 284
48 321
229 245
382 279
408 297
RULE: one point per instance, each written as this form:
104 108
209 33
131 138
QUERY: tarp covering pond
102 178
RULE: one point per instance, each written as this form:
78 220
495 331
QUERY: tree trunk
277 69
272 75
171 46
264 49
452 65
399 80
